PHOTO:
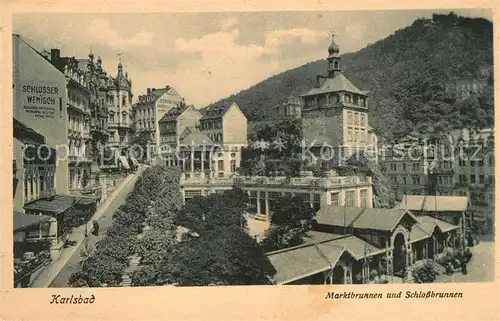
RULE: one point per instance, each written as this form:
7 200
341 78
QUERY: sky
209 56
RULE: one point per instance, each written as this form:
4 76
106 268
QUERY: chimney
55 54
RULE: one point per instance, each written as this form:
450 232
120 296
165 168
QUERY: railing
81 159
304 181
47 193
80 108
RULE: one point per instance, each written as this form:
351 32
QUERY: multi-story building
290 107
460 163
206 143
120 115
87 93
78 94
151 107
335 112
40 159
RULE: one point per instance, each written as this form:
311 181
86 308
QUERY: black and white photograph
253 148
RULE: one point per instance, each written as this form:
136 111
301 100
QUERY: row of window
211 124
350 198
215 137
359 118
473 179
359 136
476 163
414 166
404 180
78 124
332 99
145 113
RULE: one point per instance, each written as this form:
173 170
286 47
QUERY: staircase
132 267
133 263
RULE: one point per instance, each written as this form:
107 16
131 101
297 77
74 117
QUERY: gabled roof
321 252
216 110
174 113
363 218
432 203
299 262
428 224
334 215
335 84
383 219
191 136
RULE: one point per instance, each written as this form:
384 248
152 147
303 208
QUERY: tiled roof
383 219
418 232
334 215
58 204
174 113
298 262
369 218
335 84
22 221
312 237
215 110
431 203
320 253
195 137
428 223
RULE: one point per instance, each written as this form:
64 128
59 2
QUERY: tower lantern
333 58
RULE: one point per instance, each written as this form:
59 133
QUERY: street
105 221
481 267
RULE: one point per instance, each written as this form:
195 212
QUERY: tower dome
333 48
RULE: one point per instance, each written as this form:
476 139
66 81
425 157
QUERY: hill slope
407 74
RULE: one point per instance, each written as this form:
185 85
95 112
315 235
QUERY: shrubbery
426 273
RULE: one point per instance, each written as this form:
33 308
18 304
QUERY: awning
124 162
23 221
56 204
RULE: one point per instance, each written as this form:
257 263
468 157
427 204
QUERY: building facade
151 108
120 114
363 245
40 153
460 163
206 143
335 112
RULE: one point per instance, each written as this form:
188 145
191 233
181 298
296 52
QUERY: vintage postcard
209 161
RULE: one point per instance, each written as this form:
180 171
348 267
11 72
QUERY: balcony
307 182
79 159
203 179
79 108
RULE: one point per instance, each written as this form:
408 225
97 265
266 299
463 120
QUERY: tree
203 214
141 143
223 256
155 245
289 224
74 217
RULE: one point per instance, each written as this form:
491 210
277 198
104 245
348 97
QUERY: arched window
336 64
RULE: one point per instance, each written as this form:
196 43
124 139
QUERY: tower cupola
333 58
